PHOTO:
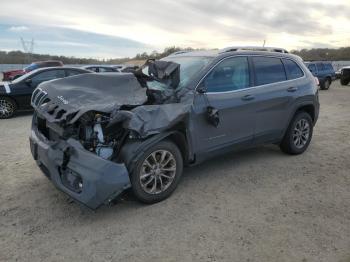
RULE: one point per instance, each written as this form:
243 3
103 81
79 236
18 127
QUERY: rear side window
105 69
292 69
231 74
72 72
268 70
312 68
48 75
320 66
329 67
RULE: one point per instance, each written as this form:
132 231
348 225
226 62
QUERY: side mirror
28 81
201 89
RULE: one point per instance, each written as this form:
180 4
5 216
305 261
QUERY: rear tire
8 107
326 84
344 82
298 135
157 172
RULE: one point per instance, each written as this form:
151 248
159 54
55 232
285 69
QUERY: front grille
41 124
46 130
39 97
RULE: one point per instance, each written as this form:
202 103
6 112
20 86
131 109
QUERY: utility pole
264 43
28 48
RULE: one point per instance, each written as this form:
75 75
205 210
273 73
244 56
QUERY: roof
215 53
212 53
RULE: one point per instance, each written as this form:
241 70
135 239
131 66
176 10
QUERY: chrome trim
38 97
252 87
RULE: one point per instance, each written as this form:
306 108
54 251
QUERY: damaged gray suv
96 135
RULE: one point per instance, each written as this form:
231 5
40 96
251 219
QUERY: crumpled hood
76 95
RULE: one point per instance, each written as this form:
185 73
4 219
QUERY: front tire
298 135
8 107
157 172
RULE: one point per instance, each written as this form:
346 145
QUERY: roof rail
179 52
253 48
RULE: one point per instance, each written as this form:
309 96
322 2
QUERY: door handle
292 89
248 97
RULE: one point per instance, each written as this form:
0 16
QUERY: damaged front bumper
84 176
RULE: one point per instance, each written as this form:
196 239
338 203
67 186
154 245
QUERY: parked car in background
13 74
337 74
345 75
16 95
120 131
324 71
101 68
129 69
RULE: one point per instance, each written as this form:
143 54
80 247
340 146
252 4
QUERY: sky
119 28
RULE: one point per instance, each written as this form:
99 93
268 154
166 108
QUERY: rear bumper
85 177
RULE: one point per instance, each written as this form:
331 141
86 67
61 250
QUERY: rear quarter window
268 70
292 69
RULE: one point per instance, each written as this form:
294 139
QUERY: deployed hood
76 95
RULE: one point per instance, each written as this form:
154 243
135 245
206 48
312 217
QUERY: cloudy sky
119 28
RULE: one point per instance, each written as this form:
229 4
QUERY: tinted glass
329 67
31 67
95 69
231 74
268 70
48 75
312 68
106 69
72 72
320 67
293 70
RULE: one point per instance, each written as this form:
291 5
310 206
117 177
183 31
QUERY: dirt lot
258 205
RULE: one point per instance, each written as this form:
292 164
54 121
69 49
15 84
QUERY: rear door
321 71
276 82
227 90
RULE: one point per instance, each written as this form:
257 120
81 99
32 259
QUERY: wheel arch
132 150
308 108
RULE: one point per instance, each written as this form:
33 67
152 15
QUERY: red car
13 74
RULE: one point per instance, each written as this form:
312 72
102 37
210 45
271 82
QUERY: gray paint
243 123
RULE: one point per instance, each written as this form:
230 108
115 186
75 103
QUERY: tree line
18 57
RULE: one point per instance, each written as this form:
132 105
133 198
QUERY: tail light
317 81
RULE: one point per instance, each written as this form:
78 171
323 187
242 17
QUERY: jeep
324 71
97 135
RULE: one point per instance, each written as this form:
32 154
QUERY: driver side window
48 75
231 74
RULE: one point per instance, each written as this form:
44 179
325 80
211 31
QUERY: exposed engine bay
102 111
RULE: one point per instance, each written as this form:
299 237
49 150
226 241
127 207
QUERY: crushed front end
76 167
82 122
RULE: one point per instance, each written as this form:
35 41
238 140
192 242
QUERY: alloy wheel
158 171
6 108
301 133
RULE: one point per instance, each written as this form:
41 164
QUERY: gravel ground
257 205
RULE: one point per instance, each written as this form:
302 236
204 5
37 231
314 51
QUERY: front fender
132 150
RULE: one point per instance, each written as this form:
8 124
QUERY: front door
226 90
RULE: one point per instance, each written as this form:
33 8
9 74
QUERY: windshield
189 66
31 67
